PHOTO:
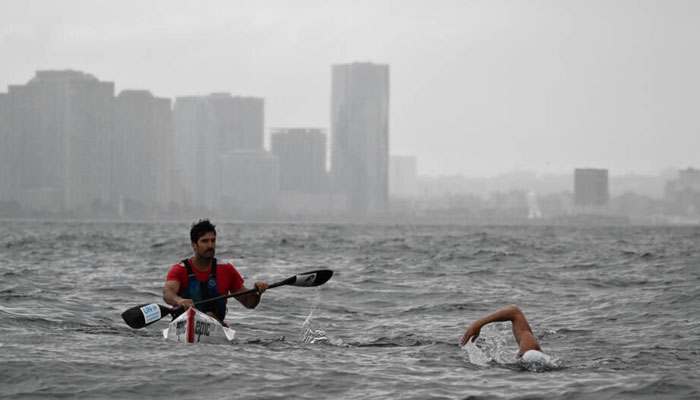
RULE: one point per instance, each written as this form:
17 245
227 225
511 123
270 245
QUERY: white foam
476 356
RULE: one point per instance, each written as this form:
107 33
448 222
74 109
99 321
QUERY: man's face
205 246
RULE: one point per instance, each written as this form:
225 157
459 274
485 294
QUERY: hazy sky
477 87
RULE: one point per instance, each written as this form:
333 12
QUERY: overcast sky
477 87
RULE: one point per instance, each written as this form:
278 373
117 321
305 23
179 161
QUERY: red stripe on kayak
190 325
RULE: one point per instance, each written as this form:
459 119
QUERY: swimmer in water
529 350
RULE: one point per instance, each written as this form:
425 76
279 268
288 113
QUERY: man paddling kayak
529 350
203 277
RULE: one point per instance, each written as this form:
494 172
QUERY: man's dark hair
200 229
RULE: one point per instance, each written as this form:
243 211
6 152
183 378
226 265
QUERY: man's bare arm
521 329
170 295
251 300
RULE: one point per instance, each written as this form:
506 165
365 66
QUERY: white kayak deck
193 326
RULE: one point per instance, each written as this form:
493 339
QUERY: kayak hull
193 326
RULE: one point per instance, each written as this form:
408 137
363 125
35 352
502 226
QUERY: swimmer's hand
472 333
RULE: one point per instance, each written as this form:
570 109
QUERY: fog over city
479 99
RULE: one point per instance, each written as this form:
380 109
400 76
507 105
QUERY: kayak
194 326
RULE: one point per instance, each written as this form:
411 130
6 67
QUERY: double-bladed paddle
146 314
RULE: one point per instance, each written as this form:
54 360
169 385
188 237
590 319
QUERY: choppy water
618 307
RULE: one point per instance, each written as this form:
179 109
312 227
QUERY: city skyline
478 88
246 115
268 131
71 147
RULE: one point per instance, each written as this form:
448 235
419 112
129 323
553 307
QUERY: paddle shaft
244 292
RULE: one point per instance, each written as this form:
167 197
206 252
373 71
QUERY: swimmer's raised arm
521 329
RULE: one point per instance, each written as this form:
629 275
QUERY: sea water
617 307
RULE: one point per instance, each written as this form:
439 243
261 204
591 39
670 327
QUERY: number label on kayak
151 313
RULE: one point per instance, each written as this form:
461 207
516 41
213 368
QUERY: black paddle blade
144 315
313 278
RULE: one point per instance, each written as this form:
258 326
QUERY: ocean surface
617 308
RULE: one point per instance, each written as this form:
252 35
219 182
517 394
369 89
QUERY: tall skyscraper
61 122
239 121
250 184
196 150
141 153
591 188
301 154
360 136
6 183
206 128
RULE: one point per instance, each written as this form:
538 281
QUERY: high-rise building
205 128
195 153
403 181
249 185
301 154
141 153
591 188
6 165
61 122
360 136
239 121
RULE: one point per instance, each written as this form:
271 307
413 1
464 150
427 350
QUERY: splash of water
476 356
312 331
549 363
491 346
